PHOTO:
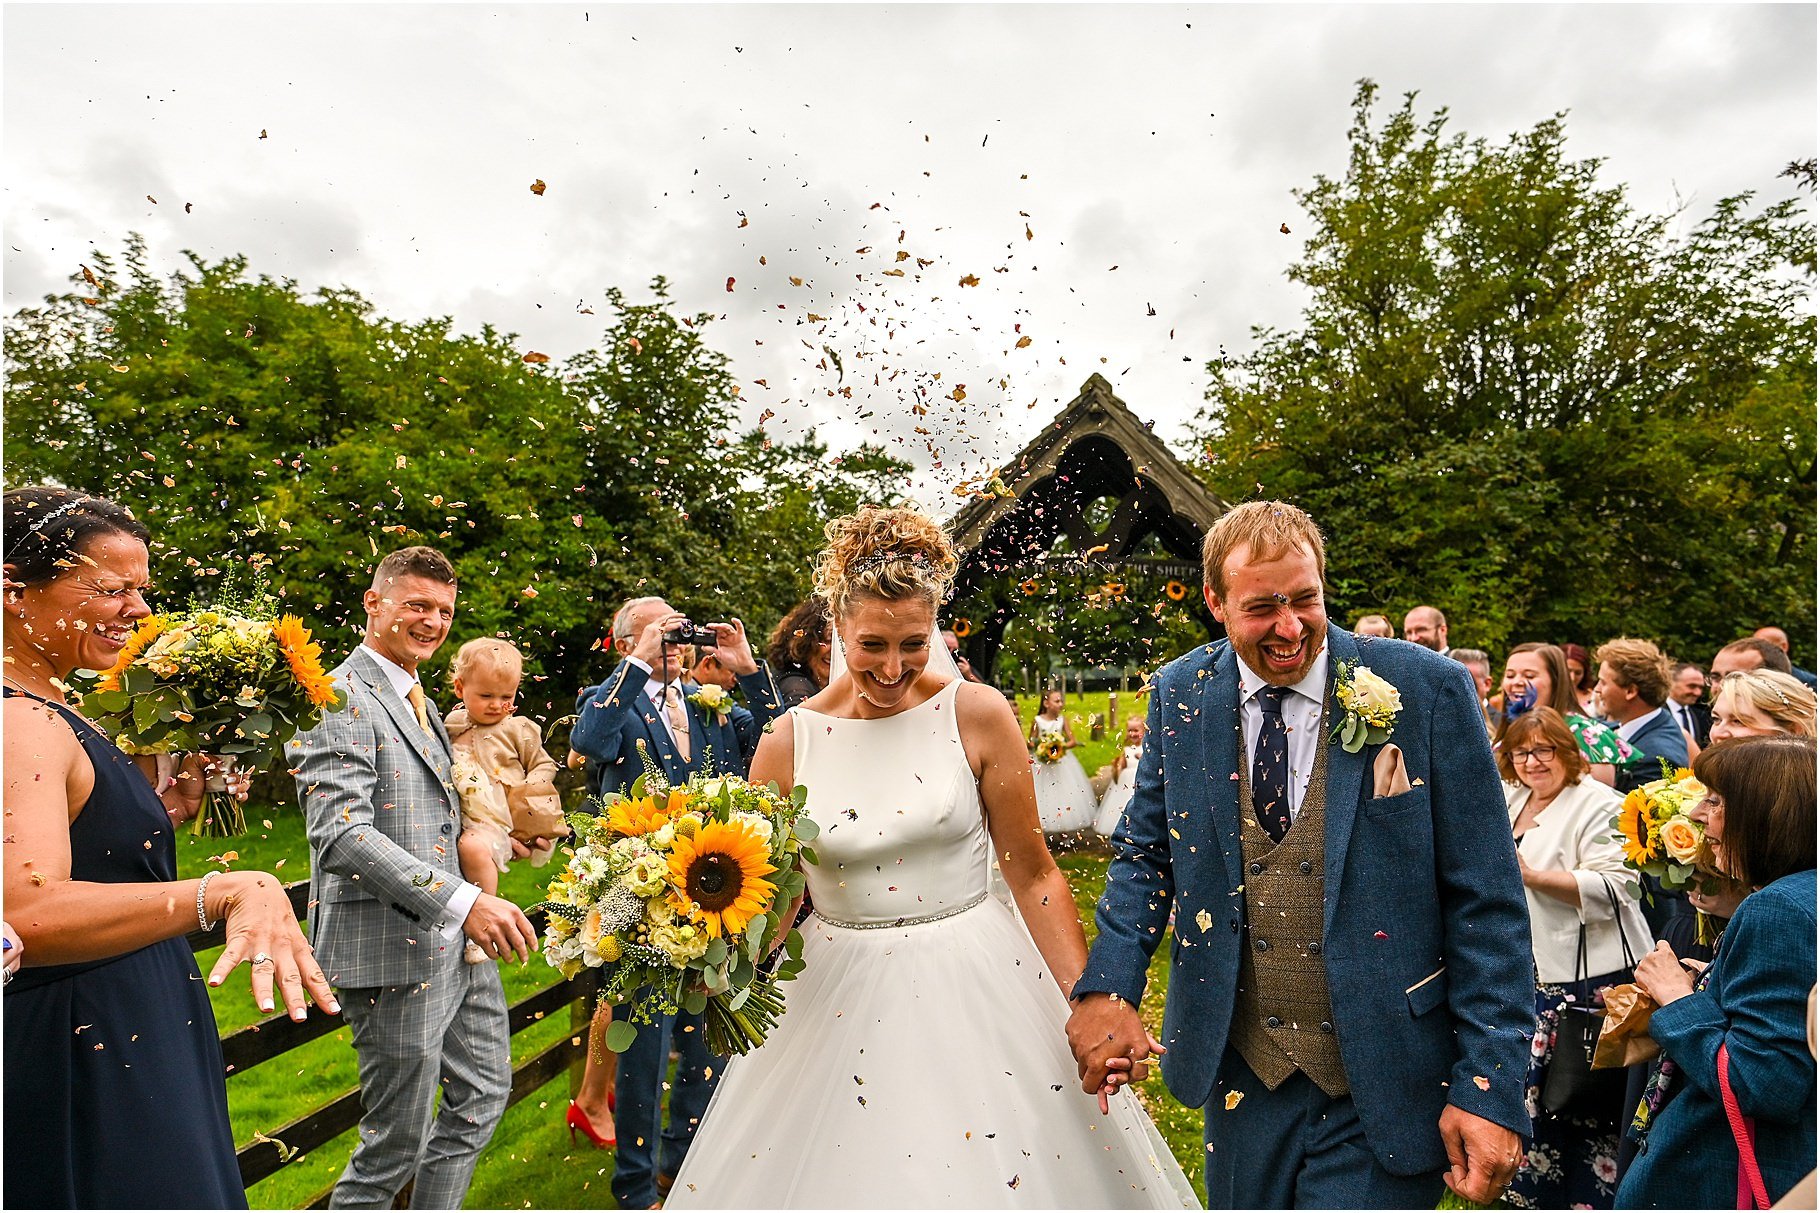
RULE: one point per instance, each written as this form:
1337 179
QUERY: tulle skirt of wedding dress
1118 795
923 1066
1064 795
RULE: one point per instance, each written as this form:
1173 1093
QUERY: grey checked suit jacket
382 817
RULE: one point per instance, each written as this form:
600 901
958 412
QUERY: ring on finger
260 958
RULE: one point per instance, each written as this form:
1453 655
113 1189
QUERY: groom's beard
1252 651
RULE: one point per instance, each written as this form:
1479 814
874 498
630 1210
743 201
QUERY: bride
922 1060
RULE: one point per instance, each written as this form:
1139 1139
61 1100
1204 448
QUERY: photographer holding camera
647 700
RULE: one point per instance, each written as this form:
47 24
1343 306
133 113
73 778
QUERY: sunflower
963 627
305 659
720 873
1176 591
149 629
1641 837
645 815
1029 585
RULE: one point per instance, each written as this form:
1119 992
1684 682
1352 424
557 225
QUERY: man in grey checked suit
389 909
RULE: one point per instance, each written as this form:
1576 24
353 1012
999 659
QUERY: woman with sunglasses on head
115 1091
1586 933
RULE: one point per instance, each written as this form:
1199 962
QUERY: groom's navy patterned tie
1270 766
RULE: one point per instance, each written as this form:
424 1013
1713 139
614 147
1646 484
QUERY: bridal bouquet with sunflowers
233 680
1658 836
674 894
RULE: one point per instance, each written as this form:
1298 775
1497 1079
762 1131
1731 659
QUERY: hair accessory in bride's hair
865 564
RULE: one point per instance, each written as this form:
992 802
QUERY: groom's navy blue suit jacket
1426 938
614 717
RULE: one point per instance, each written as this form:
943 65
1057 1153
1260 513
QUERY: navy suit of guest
1754 1003
1425 940
615 718
1659 738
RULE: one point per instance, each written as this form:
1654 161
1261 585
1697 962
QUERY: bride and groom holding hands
1349 994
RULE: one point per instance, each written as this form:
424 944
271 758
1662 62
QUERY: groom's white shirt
402 681
1301 714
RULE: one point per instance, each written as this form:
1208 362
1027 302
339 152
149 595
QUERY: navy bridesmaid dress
115 1091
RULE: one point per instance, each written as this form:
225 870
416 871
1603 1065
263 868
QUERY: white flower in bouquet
680 942
701 878
647 876
625 850
758 823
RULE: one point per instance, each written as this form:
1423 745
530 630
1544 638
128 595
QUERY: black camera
691 633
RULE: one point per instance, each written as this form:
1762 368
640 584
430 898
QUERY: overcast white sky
1163 140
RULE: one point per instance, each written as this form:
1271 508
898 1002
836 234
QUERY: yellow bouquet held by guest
238 681
676 895
1049 748
1658 836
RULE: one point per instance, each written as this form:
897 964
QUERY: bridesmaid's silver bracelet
202 915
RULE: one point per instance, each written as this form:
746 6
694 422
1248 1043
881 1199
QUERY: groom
1350 991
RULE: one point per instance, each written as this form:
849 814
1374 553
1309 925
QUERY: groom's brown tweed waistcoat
1282 1020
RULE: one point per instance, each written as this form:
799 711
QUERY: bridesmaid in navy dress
115 1092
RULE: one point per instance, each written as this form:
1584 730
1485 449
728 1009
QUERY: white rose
1372 696
714 698
680 943
647 875
660 913
756 823
713 787
662 838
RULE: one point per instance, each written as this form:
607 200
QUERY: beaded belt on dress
918 921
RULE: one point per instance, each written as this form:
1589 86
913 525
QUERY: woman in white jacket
1578 889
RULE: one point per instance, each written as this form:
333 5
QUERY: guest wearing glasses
1585 932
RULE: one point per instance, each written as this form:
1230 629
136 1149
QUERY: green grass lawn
530 1163
1079 710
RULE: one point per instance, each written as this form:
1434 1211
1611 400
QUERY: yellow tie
417 705
679 719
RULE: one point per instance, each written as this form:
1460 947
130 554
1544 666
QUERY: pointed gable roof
1094 414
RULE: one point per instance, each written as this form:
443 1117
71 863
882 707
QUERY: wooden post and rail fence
270 1039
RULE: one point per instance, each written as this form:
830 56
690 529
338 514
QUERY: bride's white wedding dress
922 1060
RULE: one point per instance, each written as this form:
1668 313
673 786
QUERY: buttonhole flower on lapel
713 700
1369 705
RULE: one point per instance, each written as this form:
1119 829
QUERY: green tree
1515 397
254 426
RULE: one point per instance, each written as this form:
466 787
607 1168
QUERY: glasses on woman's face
1542 755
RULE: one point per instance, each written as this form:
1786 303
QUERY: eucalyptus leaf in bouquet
677 894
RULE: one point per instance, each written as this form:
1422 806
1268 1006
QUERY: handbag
1751 1192
1570 1082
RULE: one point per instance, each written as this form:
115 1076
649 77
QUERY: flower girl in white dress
1064 795
1124 778
922 1059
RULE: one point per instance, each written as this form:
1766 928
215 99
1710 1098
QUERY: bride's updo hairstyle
889 554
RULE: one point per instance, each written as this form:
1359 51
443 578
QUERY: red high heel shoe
578 1120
